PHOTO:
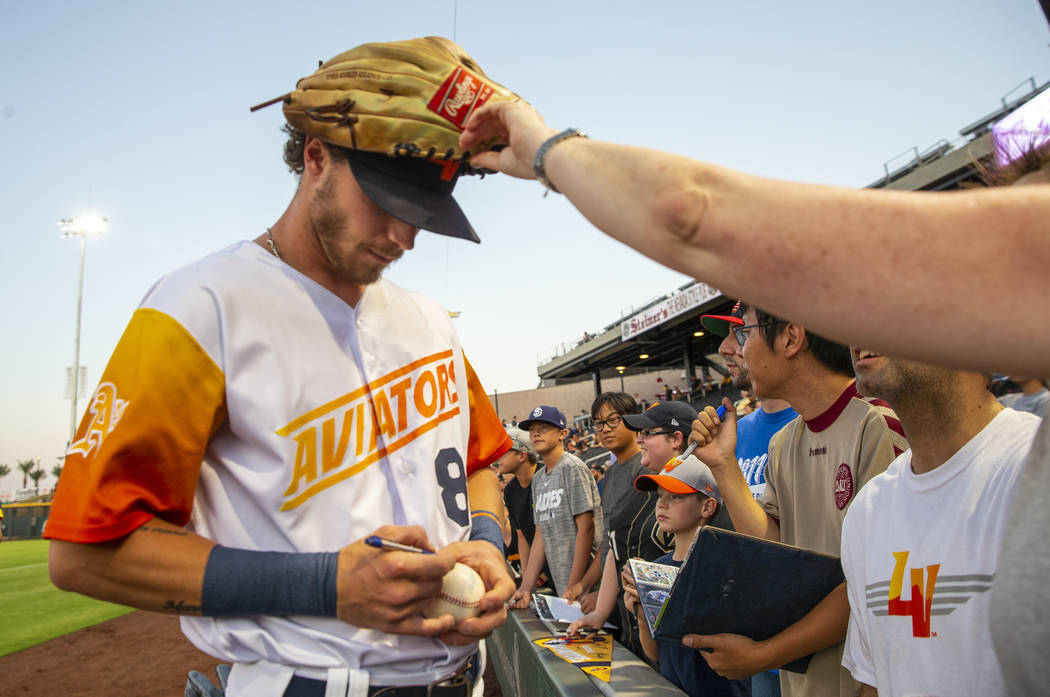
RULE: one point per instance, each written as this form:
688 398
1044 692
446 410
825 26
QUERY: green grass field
33 610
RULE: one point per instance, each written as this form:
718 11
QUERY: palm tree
56 471
35 475
4 471
26 466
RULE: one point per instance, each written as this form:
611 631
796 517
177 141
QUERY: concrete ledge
527 670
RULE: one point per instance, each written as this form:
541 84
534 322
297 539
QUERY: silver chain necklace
273 245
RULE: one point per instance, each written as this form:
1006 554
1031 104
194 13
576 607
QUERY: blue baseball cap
549 415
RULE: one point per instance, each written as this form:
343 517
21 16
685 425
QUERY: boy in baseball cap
565 504
544 414
690 476
688 498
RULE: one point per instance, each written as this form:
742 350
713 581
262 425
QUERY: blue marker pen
382 543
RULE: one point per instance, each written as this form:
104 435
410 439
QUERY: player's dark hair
620 402
296 144
833 356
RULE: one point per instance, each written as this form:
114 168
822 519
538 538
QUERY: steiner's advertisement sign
691 297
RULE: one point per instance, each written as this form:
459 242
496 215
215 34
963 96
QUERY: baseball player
275 403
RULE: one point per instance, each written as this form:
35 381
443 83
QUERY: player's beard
330 226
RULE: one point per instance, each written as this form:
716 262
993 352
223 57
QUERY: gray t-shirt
630 514
1020 608
557 497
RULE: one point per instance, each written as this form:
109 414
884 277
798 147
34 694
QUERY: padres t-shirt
557 497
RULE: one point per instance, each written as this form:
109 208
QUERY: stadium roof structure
666 332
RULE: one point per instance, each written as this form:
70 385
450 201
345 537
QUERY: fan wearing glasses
630 518
816 465
662 431
754 431
607 417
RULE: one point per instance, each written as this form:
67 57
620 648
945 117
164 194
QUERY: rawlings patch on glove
403 98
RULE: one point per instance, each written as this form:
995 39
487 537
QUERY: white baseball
461 589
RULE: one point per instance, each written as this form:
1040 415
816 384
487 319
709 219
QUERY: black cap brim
412 190
638 422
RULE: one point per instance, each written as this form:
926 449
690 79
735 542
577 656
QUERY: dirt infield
142 654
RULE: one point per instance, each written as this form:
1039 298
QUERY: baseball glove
403 98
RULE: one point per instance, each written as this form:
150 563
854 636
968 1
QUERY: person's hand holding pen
714 431
489 564
383 543
384 587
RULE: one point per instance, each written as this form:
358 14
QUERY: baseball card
653 582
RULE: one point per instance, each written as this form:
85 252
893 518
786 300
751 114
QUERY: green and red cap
721 324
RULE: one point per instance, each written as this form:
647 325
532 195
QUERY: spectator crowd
904 469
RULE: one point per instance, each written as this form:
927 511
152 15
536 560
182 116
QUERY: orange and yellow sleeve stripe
138 451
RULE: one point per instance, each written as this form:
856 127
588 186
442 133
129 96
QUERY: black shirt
518 500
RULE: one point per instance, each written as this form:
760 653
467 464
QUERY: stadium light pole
80 226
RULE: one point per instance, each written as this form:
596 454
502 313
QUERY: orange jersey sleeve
488 438
138 451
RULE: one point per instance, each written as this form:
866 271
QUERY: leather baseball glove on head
402 98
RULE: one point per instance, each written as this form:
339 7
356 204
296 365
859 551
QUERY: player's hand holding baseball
515 124
387 590
484 558
715 438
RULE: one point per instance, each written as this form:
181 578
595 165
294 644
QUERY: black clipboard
738 584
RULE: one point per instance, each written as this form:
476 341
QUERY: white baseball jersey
252 405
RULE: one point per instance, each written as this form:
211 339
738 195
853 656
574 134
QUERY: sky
139 111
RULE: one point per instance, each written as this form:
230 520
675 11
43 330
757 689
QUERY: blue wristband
239 582
484 526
